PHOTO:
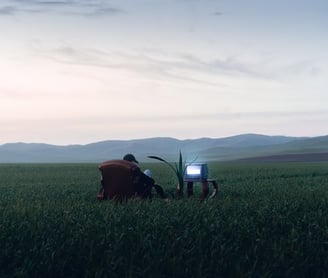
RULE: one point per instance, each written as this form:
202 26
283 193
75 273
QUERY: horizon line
158 137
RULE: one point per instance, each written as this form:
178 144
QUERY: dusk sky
82 71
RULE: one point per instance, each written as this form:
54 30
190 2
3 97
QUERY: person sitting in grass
147 175
122 179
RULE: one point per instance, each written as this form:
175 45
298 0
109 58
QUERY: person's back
123 179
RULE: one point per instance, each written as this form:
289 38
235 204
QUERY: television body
196 172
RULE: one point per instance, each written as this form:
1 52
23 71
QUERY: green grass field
269 220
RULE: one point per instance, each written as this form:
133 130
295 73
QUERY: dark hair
130 157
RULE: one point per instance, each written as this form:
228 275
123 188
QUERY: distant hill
203 149
299 157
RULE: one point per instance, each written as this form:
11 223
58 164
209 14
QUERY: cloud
152 66
45 2
63 7
56 3
306 114
11 10
178 117
159 65
8 10
230 116
217 13
103 11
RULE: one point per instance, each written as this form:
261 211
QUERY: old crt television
196 172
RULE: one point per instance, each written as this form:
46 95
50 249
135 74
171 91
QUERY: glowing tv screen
196 172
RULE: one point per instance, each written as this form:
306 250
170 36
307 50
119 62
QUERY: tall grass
178 169
267 221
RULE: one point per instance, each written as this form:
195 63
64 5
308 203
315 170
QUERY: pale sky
82 71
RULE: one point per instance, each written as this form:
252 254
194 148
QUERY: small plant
178 168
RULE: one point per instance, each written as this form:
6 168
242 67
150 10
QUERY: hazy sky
80 71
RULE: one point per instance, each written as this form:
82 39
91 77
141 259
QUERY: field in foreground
268 220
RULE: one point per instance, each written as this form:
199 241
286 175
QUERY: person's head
130 157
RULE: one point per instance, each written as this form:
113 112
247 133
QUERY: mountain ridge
206 149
